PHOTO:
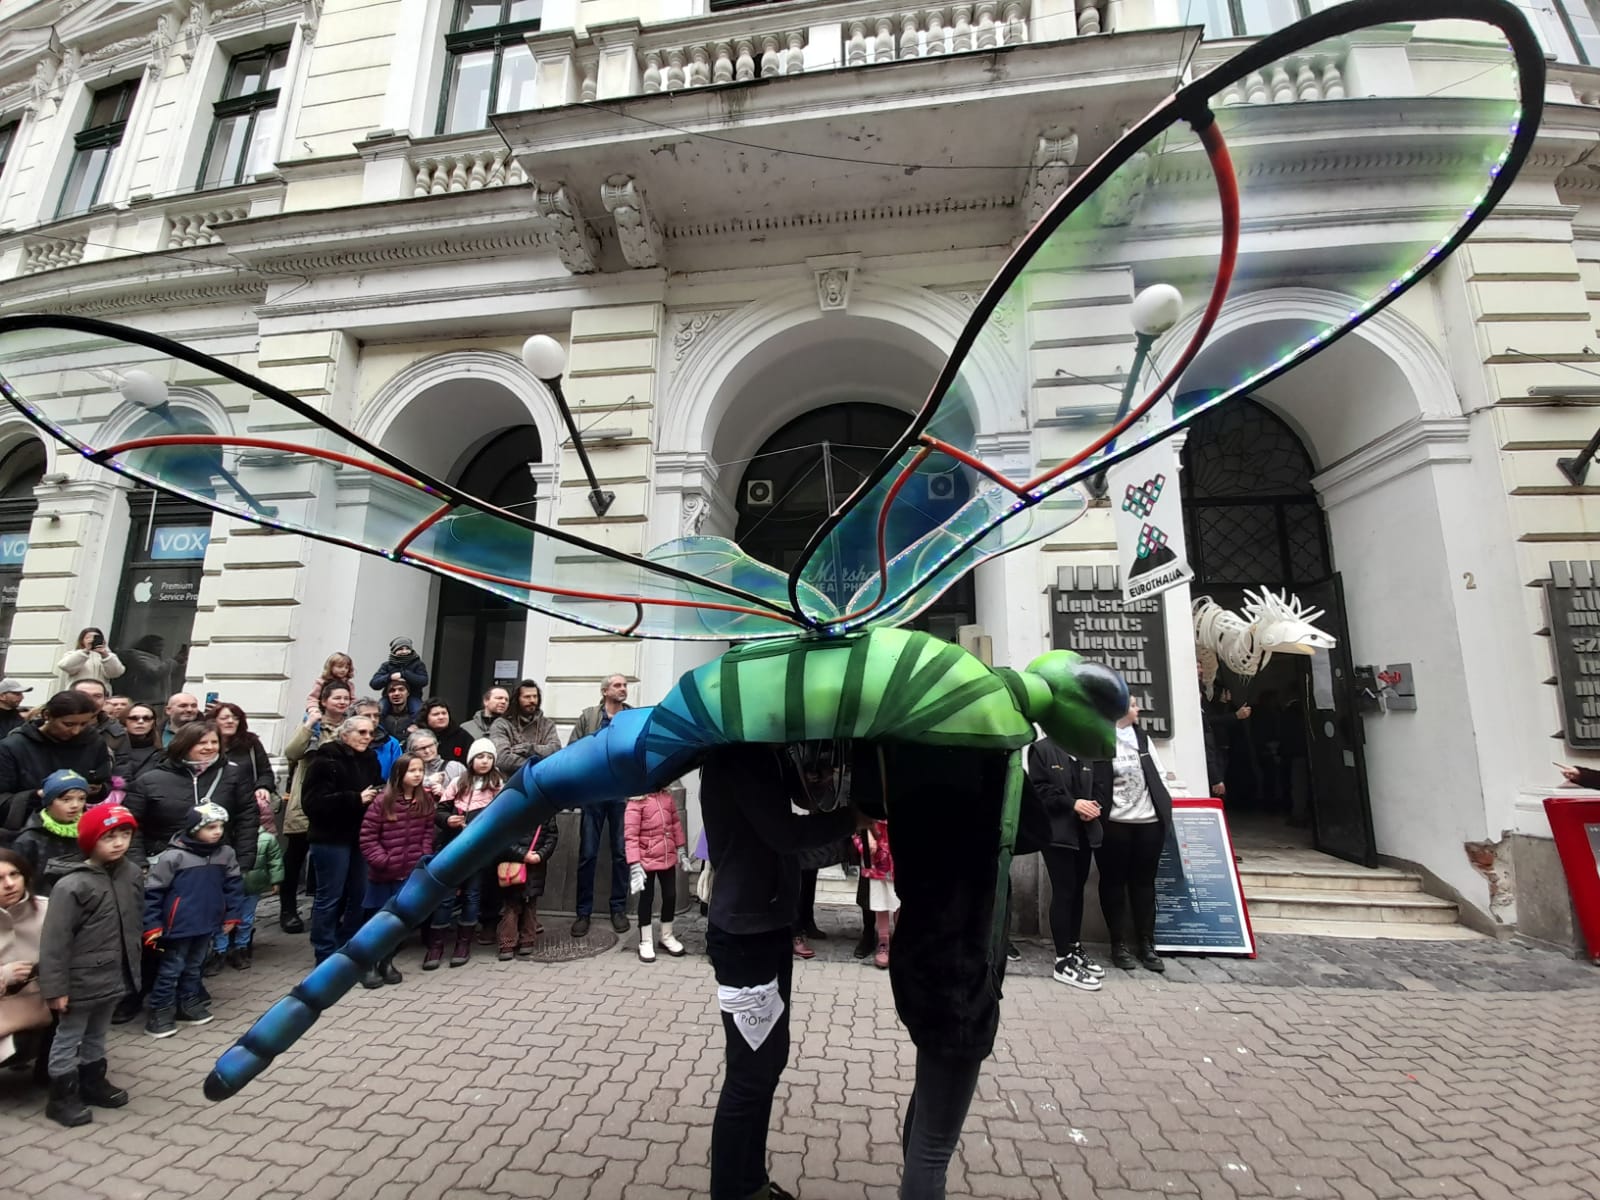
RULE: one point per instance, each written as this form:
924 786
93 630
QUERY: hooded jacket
336 775
652 832
87 664
1058 780
305 740
518 739
161 797
394 845
411 668
90 948
27 758
192 889
268 871
51 855
542 840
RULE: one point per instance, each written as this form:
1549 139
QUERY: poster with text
1148 520
1200 907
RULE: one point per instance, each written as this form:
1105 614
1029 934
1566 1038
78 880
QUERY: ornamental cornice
241 291
802 221
456 248
1321 164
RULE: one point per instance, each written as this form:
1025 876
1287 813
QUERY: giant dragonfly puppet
1165 196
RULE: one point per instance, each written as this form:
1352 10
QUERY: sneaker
159 1023
195 1014
1084 963
801 950
1068 972
619 922
525 951
580 927
213 965
507 953
1012 953
880 958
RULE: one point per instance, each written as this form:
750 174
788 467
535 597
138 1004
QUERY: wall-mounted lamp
544 356
1155 310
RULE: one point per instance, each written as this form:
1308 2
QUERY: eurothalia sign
1148 521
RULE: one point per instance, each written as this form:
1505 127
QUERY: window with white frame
1244 18
1581 23
244 121
94 147
488 67
8 142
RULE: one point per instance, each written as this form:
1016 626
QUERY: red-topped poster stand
1575 824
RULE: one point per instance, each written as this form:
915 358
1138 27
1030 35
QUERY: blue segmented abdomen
642 749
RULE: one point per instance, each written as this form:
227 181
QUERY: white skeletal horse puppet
1273 623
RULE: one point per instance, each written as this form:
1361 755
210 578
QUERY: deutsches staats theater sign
1089 616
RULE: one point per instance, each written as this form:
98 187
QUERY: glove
152 937
684 861
635 879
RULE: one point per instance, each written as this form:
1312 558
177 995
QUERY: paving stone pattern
1343 1070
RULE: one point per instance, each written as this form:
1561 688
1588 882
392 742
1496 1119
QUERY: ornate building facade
758 231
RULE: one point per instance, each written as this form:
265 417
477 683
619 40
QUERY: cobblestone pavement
1467 1071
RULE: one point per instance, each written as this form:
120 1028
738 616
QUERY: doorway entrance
1291 736
20 472
810 466
480 637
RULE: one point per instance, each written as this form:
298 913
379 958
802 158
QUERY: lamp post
143 389
1155 310
544 356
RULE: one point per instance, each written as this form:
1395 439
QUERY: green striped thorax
900 685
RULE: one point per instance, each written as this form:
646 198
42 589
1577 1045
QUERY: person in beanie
194 891
238 947
462 801
403 665
49 841
89 960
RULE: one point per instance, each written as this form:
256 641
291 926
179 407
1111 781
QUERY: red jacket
653 832
392 848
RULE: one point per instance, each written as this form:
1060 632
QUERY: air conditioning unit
759 493
942 486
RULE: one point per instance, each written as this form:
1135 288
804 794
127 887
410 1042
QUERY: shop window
20 473
94 147
8 141
489 68
245 120
159 592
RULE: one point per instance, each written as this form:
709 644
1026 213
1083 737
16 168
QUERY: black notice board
1131 639
1200 906
1573 596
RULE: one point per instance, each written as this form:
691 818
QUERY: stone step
1399 930
1255 876
1318 904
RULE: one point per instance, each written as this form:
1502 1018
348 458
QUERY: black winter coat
89 949
28 758
545 845
51 856
1058 779
161 797
255 762
139 760
335 777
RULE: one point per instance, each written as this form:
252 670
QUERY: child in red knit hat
89 960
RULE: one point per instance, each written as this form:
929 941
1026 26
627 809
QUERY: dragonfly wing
108 393
1192 196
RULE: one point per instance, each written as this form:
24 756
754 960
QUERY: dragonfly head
1079 705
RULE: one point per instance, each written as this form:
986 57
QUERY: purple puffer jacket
393 847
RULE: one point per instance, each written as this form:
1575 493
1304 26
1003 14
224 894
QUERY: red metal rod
1228 194
977 464
883 526
422 526
217 439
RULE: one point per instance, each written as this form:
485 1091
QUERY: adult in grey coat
524 734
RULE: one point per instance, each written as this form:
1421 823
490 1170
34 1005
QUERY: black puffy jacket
164 792
336 776
28 758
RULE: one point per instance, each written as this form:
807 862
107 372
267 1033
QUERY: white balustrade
469 171
928 32
51 253
765 55
199 228
1294 79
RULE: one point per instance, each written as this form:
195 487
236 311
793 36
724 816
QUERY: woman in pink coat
655 845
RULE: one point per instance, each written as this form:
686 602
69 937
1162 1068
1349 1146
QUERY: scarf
58 828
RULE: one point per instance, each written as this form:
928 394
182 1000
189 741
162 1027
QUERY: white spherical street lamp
144 389
1156 309
543 355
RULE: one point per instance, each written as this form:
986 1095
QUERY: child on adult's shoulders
195 890
89 960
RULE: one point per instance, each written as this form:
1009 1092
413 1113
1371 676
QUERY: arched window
1250 511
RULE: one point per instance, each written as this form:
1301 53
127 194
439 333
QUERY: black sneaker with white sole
194 1014
1012 953
1084 963
1068 972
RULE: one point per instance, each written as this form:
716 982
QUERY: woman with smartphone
91 658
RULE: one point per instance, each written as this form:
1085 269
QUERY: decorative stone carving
194 27
637 231
1051 171
574 241
691 326
45 87
833 288
696 508
1001 321
1121 196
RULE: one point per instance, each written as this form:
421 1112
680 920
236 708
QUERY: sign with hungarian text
1200 906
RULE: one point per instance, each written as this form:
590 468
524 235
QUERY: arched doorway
811 465
21 469
1295 766
477 635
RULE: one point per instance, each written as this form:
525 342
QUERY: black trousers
1069 873
934 1116
750 1076
1128 858
805 912
669 895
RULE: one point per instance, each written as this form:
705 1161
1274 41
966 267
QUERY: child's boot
386 968
96 1089
881 958
65 1106
372 977
647 949
669 943
430 961
463 951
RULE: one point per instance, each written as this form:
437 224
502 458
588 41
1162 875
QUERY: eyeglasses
130 719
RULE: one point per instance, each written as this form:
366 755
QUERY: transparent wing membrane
1341 158
149 411
1321 171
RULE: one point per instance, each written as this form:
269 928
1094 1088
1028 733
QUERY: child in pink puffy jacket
655 845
